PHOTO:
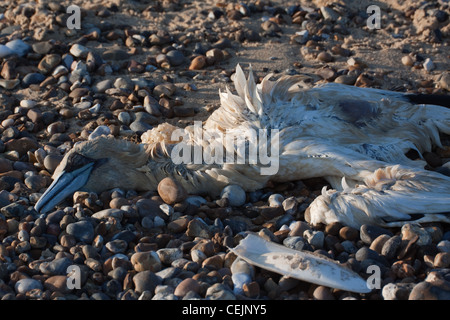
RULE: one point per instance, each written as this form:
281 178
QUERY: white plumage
355 138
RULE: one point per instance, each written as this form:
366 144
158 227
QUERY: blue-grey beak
63 186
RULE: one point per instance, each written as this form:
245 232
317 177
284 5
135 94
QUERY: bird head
96 165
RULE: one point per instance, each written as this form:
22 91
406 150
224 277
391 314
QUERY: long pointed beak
63 186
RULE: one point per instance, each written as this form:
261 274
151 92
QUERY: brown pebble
57 283
349 233
198 63
323 293
325 56
407 61
171 191
442 260
215 261
251 289
187 285
378 243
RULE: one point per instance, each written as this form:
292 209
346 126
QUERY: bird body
355 138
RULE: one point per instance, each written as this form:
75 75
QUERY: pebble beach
133 65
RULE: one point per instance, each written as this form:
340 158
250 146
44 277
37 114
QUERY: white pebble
28 104
276 200
428 64
99 131
235 194
7 123
167 209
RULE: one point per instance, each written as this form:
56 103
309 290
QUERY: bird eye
76 161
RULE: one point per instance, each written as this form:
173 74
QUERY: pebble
57 284
81 230
186 286
143 261
444 246
198 63
145 281
323 293
171 191
409 231
407 61
315 238
235 195
444 81
100 131
169 255
369 233
428 65
391 247
396 291
18 47
276 200
25 285
219 291
175 57
79 50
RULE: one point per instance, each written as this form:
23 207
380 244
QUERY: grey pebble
27 284
82 231
369 233
391 246
235 194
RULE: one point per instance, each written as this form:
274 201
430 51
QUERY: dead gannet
356 138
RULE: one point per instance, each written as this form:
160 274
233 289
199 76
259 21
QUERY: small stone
444 81
329 14
430 291
276 200
51 161
325 56
378 243
100 131
219 291
82 231
198 63
115 54
396 291
79 50
25 285
169 255
315 238
175 57
345 79
410 231
323 293
235 194
49 62
187 285
18 47
349 233
391 246
146 281
251 290
198 228
444 246
143 261
298 228
442 260
171 191
369 233
327 73
36 182
428 65
33 78
407 61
